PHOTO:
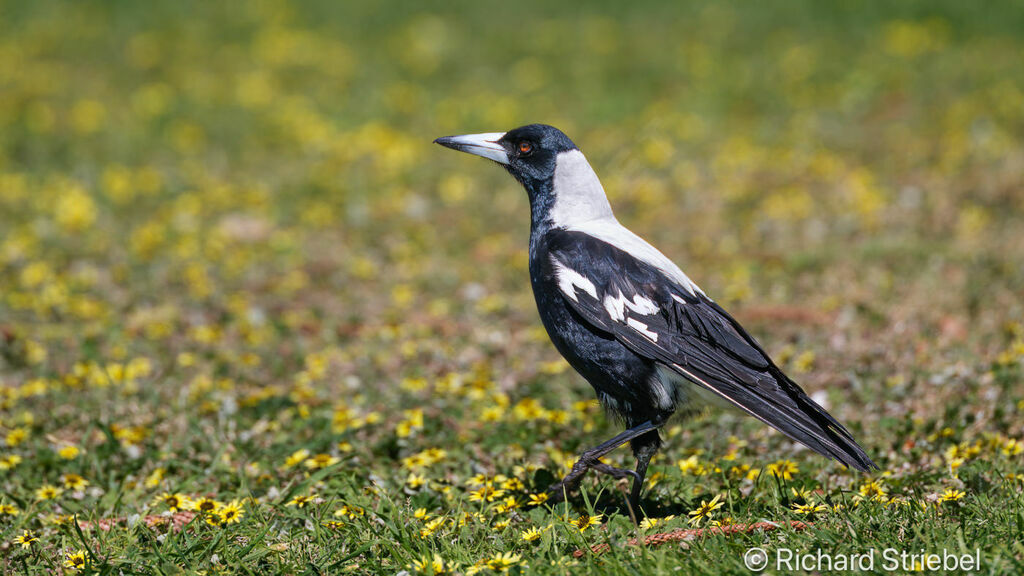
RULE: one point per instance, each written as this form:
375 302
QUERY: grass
233 268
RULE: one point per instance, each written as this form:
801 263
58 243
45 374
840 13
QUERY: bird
649 341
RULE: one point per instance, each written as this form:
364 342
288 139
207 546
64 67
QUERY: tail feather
790 411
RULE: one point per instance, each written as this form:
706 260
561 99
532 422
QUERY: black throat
542 198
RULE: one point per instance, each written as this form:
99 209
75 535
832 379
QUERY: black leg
644 448
589 460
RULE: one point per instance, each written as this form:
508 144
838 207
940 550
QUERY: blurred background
164 164
218 214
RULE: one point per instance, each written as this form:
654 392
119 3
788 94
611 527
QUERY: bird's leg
589 460
644 448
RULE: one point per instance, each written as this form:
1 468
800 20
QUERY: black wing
665 319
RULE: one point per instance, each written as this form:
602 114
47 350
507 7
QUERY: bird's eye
525 147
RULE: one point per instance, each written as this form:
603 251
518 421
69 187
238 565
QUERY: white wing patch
569 280
642 305
642 329
616 307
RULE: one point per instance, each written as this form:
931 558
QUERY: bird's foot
558 490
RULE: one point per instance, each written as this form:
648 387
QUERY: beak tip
445 141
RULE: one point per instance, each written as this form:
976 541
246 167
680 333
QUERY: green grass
225 239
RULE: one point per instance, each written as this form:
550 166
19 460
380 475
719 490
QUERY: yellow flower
784 469
538 499
804 494
48 492
74 560
1012 447
809 508
692 466
155 478
69 452
300 501
585 521
231 512
413 421
420 514
804 362
74 482
507 505
16 436
297 457
350 512
74 210
531 534
468 517
26 539
648 523
502 562
705 510
435 566
415 481
492 414
512 484
174 502
951 495
10 461
9 510
432 526
486 493
873 489
320 461
206 505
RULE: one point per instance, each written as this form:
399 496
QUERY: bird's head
529 153
563 188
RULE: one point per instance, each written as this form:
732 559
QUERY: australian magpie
648 340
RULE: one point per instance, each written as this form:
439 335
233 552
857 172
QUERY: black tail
780 403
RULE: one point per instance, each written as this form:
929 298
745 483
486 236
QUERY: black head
528 152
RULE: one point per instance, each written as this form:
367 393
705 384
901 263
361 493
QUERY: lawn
252 321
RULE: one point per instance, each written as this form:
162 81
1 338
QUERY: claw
579 469
617 473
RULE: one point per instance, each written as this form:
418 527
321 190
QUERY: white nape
579 196
581 205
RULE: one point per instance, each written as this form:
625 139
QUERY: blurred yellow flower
951 495
174 502
319 461
48 492
296 458
26 539
74 210
531 534
73 482
75 560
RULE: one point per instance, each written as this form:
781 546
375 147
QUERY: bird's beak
485 145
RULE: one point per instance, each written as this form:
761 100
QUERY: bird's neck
571 197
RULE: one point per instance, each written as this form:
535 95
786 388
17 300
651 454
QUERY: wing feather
692 335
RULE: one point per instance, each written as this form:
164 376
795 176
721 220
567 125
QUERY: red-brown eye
525 147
